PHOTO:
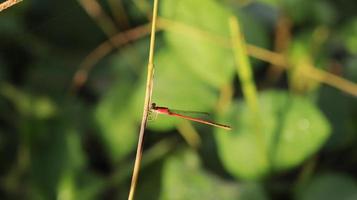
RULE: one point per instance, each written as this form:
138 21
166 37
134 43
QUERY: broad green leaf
116 121
207 57
329 187
184 179
52 170
176 86
290 130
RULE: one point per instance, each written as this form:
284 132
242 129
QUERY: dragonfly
185 115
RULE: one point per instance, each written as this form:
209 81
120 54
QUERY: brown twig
147 103
189 133
8 4
281 44
313 72
257 52
104 49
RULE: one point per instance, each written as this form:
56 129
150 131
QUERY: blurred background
72 76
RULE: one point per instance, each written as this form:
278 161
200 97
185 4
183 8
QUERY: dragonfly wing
152 116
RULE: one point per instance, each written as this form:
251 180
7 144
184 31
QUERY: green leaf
52 170
329 187
206 57
175 85
117 122
291 130
184 179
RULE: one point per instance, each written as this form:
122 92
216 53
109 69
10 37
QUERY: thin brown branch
104 49
257 52
332 80
313 72
225 98
8 4
267 56
281 43
189 133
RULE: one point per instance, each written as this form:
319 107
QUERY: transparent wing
152 115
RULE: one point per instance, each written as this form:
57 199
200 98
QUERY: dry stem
149 87
8 4
104 49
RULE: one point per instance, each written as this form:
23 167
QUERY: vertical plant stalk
189 133
8 4
243 66
281 44
245 75
147 102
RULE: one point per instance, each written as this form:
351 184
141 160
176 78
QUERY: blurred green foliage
292 127
56 143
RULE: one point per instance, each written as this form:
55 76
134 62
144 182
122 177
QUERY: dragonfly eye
153 106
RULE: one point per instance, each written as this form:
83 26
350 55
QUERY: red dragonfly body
167 111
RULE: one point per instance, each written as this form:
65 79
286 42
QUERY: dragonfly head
153 106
